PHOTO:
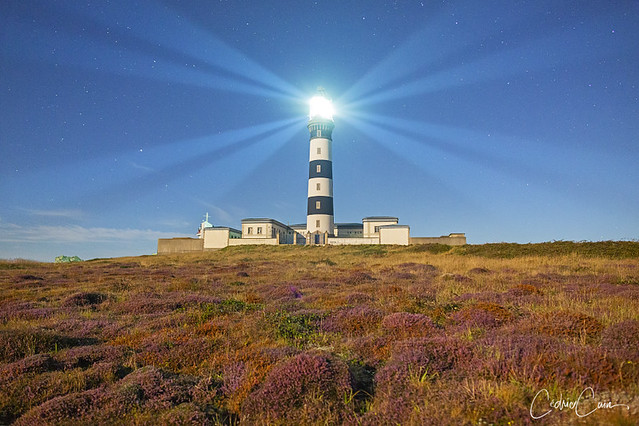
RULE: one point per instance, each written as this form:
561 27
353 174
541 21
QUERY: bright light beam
61 49
476 149
182 36
432 175
163 155
545 53
227 169
424 48
124 170
551 158
413 149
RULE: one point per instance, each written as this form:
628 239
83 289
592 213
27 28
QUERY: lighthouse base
320 223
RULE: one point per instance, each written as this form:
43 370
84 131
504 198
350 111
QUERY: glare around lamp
321 108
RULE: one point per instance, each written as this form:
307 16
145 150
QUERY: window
319 133
317 205
319 150
317 187
319 168
259 229
317 222
249 230
377 229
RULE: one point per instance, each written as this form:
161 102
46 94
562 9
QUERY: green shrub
296 328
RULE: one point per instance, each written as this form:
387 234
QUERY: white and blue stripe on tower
320 174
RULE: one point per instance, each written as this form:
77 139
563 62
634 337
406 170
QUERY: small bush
482 314
358 277
418 268
154 388
524 290
63 409
84 299
358 298
457 278
433 354
545 360
233 376
400 384
181 351
306 387
37 364
353 321
325 261
622 339
297 328
403 324
24 311
371 350
19 343
570 324
86 356
185 414
280 292
479 271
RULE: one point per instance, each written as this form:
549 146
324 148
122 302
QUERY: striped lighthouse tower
319 218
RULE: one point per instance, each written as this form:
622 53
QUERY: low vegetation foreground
492 334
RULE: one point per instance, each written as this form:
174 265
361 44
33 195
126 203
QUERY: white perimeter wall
352 241
215 238
399 235
253 242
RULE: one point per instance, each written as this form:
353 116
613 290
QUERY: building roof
349 225
223 227
264 220
380 219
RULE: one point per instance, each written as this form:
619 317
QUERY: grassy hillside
325 335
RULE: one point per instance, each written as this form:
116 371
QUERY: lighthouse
319 216
320 227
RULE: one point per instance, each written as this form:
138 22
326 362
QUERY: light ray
122 171
225 158
423 50
259 191
490 152
184 37
547 52
463 143
439 138
60 49
384 153
164 155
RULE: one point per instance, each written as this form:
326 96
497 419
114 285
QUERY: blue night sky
122 122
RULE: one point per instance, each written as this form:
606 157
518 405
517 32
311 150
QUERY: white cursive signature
561 404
